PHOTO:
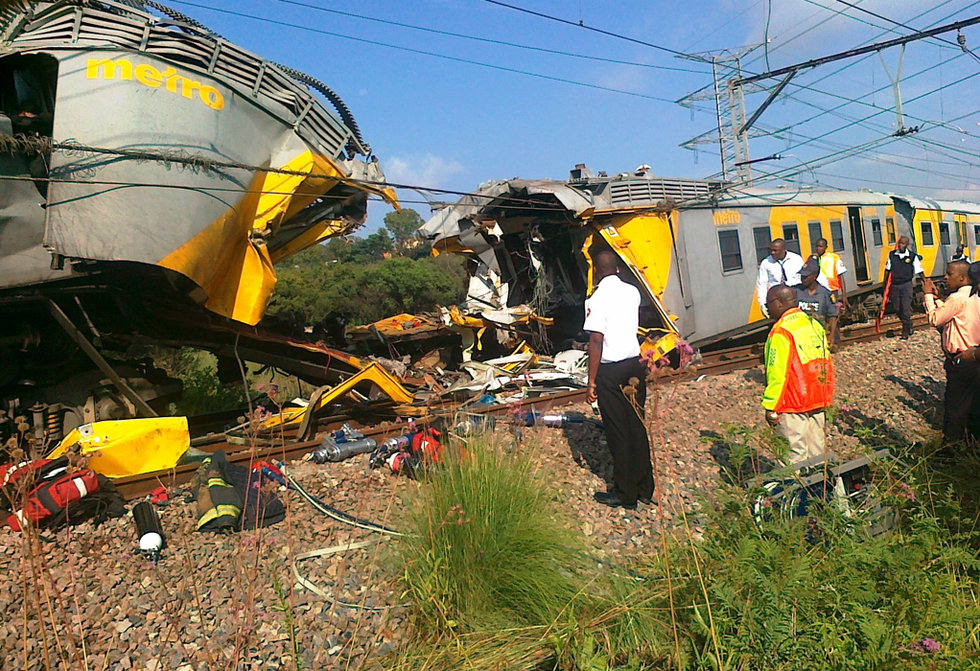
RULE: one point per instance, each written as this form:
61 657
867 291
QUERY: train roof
774 196
26 25
950 206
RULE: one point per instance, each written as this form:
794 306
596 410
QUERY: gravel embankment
212 599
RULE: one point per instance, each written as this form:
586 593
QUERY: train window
876 231
763 238
944 232
813 227
791 235
976 235
731 252
837 235
926 229
890 229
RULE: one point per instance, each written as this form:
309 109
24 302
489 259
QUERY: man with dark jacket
902 266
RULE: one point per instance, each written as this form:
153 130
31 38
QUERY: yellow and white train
692 247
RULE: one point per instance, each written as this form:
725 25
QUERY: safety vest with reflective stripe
799 372
828 268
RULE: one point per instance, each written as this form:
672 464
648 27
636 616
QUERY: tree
403 226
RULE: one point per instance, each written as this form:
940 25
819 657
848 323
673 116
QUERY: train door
961 233
858 245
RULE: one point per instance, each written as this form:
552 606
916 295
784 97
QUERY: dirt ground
232 601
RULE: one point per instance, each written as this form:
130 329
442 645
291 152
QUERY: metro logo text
152 77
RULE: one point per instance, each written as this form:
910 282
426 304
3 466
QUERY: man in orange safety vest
831 269
799 376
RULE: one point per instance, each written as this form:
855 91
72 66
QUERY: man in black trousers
903 265
617 378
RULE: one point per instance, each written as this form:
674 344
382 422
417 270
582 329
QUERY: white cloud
421 170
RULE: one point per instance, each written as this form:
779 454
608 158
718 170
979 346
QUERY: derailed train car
691 247
151 175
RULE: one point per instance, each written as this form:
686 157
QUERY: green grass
496 579
486 547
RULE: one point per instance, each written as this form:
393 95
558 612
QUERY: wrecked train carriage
691 247
151 175
530 245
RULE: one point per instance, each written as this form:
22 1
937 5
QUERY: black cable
765 33
422 52
892 21
581 24
487 40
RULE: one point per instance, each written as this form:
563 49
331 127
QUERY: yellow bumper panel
129 446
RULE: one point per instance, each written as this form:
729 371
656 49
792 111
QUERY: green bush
485 548
817 593
366 292
496 581
203 393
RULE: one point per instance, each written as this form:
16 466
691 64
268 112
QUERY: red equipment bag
44 493
426 446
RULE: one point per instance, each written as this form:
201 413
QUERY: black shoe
612 500
645 499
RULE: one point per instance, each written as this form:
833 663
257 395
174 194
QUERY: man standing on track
780 267
799 377
902 266
611 317
832 269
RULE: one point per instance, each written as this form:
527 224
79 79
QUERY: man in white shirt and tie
780 267
617 378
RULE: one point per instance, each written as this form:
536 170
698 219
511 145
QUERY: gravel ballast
231 601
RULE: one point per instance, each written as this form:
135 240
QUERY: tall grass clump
485 546
498 577
818 593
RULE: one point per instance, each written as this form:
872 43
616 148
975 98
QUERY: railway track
712 363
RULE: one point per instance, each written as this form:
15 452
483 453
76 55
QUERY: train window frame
810 227
890 230
944 238
837 235
926 234
730 234
876 232
792 243
762 252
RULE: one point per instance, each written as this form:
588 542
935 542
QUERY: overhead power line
457 59
878 46
488 40
893 22
581 24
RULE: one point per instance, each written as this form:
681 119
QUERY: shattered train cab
530 246
151 175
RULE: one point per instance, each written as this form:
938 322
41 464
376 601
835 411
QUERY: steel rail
713 363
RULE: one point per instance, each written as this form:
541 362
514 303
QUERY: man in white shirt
617 379
780 267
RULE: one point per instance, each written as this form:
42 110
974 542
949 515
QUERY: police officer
617 379
903 265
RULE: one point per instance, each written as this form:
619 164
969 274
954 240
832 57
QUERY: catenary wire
488 40
422 52
581 24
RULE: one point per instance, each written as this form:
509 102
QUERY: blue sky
449 124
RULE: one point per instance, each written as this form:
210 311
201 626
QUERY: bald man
799 376
612 315
958 319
